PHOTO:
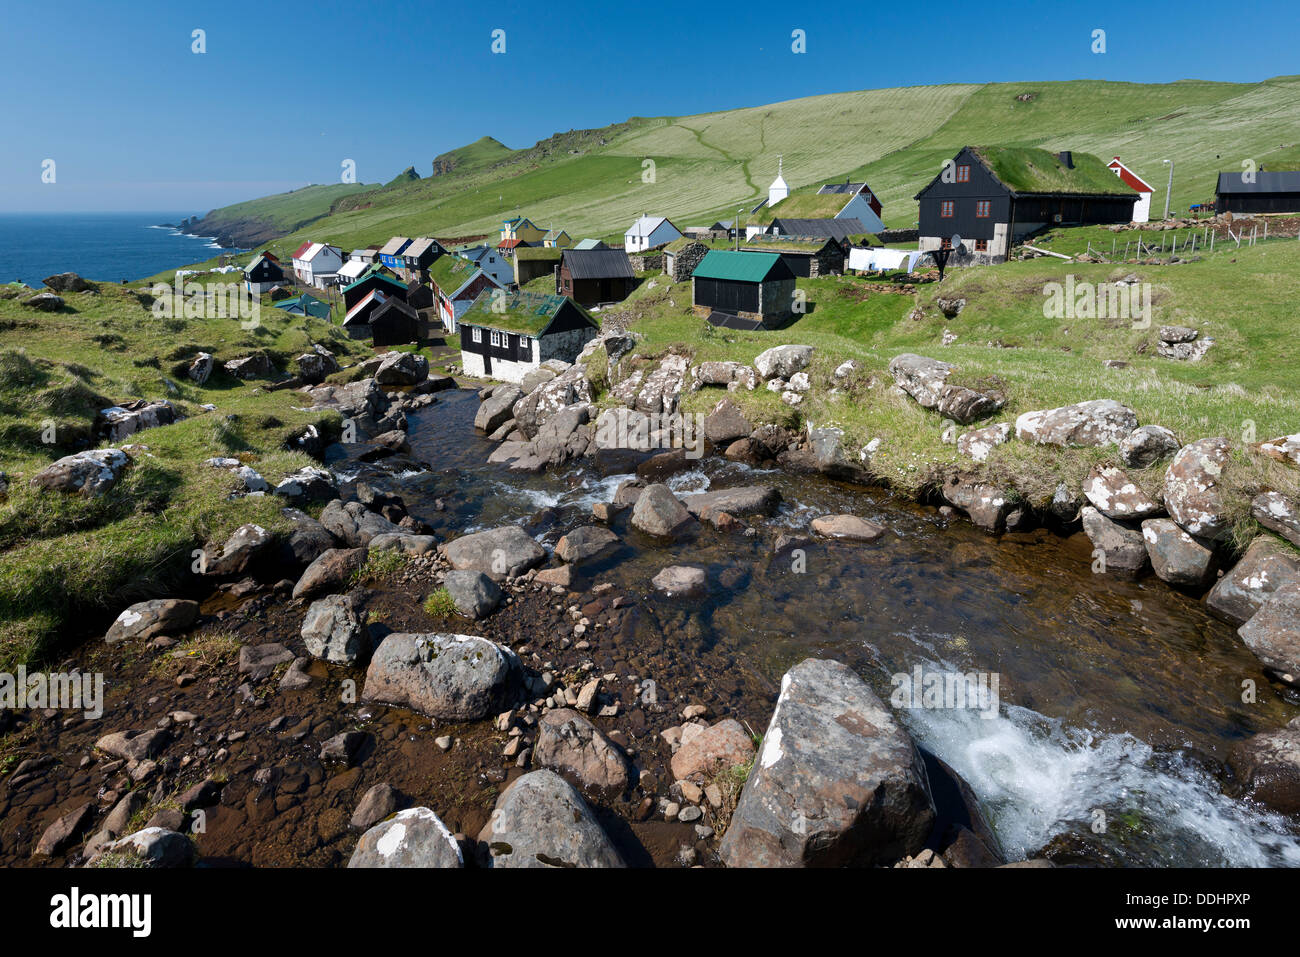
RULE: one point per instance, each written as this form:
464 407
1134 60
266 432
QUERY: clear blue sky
136 121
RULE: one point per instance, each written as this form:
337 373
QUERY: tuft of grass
439 604
381 566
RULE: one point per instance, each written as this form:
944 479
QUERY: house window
476 334
945 209
496 338
982 208
947 244
981 245
963 174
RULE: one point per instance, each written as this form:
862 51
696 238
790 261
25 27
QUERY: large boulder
1273 632
585 543
415 837
201 368
332 569
726 423
986 505
447 676
978 444
314 366
89 474
1123 549
239 550
351 400
45 302
498 552
823 451
308 484
926 381
564 436
149 847
658 512
1086 424
119 421
161 616
1147 445
541 820
1115 495
571 745
570 387
333 630
848 528
625 429
402 368
837 782
1267 768
496 410
1176 557
474 594
258 366
742 500
1278 513
662 388
69 282
707 751
1242 591
1192 492
355 525
728 374
781 362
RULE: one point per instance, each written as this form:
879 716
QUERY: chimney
1067 160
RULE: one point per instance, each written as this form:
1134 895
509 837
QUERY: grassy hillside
258 220
594 182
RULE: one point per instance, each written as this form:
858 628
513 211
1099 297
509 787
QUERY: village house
490 260
262 273
394 323
1142 205
590 244
359 260
356 321
806 258
506 335
750 285
649 232
593 276
317 264
390 254
534 261
418 257
457 283
841 231
355 292
556 239
989 198
1260 192
519 232
305 305
681 256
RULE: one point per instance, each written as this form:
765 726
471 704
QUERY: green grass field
63 557
595 182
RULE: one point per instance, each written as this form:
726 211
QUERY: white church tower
779 189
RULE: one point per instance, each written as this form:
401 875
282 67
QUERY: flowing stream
1118 699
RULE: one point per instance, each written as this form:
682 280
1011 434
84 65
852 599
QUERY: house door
487 363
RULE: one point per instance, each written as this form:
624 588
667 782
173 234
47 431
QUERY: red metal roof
508 243
1130 177
297 253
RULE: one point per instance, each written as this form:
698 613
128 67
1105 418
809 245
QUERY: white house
649 232
1142 205
317 263
779 189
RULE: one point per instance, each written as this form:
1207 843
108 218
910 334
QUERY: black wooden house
993 197
1260 192
592 276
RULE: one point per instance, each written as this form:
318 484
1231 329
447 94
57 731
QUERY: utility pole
1169 188
738 215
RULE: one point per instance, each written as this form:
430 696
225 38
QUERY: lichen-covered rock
1085 424
571 745
1146 445
333 630
926 381
1273 632
1277 513
541 820
1176 557
415 837
499 553
1286 448
1243 590
89 474
837 781
145 619
978 444
1123 549
1192 493
448 676
1116 496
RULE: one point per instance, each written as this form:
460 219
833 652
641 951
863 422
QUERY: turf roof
1031 170
525 313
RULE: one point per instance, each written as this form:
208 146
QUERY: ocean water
107 247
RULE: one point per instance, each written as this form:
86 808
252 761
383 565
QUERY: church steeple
779 189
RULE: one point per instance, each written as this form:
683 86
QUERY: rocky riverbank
367 689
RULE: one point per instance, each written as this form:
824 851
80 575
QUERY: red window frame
963 174
946 209
981 245
983 208
946 244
